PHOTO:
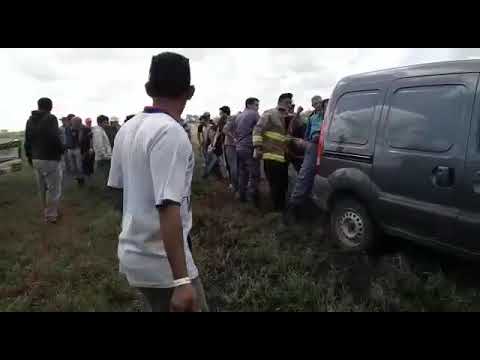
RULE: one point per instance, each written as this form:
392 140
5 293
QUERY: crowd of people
150 161
75 150
234 147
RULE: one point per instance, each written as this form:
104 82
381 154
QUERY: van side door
420 152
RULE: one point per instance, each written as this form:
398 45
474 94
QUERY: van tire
351 226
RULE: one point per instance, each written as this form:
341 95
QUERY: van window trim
378 92
388 104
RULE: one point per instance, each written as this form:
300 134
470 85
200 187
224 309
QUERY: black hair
70 116
225 109
251 101
102 119
45 104
169 75
285 96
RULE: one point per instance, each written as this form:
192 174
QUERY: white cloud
89 82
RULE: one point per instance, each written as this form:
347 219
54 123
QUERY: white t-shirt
152 162
101 144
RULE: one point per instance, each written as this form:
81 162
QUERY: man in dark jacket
44 149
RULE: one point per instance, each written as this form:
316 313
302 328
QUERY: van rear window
426 118
352 117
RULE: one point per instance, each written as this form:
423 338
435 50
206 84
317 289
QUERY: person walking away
44 149
248 165
86 146
153 163
306 176
74 151
229 150
270 142
103 151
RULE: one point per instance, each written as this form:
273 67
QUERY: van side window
426 118
352 117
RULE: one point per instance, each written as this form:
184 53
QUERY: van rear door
467 231
419 154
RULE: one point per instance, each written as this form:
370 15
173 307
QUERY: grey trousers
158 299
101 172
306 176
75 163
49 181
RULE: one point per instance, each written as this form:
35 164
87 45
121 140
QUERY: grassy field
248 260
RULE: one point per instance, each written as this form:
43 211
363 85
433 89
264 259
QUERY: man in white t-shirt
102 149
153 162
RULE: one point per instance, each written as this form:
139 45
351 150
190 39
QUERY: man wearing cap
152 162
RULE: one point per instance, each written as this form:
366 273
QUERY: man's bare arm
172 236
184 297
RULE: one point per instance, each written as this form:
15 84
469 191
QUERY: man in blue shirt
306 175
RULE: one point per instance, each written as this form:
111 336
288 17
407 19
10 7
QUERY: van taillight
321 141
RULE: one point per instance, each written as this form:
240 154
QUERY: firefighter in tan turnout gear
270 139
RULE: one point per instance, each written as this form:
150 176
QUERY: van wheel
351 226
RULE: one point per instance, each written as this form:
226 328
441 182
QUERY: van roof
436 68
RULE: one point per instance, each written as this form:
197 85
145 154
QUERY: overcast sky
89 82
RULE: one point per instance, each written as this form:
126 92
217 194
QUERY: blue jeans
248 173
214 164
306 176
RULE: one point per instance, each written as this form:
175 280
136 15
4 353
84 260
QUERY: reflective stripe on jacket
270 134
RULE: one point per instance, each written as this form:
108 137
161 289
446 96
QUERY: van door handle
443 176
